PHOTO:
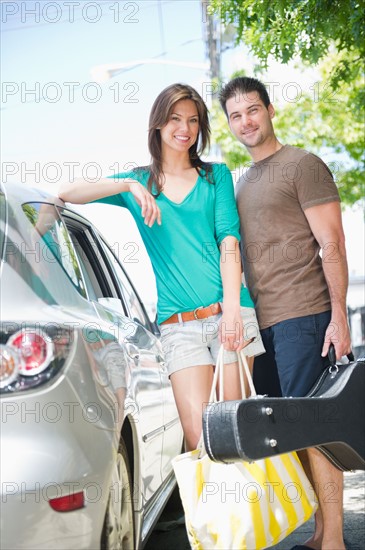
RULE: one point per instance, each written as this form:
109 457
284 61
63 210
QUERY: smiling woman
187 217
178 135
178 118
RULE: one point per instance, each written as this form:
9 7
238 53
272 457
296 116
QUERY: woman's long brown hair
159 117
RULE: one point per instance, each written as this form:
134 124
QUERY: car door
172 432
120 306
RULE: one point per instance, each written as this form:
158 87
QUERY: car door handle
132 351
161 362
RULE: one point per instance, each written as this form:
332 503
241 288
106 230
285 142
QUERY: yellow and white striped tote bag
242 505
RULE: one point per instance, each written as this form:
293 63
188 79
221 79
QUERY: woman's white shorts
195 343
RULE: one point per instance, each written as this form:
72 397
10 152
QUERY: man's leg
298 344
265 372
315 541
328 484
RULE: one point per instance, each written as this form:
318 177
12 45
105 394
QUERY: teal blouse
184 250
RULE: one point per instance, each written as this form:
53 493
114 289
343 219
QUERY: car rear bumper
52 446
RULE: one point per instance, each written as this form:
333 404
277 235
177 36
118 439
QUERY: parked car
89 423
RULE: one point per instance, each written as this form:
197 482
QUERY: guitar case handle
332 355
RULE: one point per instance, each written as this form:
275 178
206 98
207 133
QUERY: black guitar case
331 417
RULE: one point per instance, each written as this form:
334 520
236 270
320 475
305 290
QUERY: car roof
20 193
17 194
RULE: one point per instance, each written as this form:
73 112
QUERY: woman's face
182 128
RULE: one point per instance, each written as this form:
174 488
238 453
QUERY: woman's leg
191 387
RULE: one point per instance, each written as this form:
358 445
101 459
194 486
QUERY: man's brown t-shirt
282 264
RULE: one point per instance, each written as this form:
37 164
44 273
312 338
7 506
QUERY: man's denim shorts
195 343
292 362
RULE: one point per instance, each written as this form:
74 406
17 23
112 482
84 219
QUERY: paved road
170 535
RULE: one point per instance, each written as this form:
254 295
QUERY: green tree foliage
308 29
31 213
331 118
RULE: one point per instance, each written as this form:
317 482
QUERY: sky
60 120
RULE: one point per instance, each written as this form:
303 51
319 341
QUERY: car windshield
39 250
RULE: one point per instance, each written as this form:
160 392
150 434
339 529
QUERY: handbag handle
243 365
219 375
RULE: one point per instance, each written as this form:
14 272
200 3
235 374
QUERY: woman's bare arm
81 191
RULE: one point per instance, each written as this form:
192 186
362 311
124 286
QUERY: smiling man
289 211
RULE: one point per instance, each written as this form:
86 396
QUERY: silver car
89 423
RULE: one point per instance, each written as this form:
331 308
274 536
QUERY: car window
93 287
103 275
131 298
98 281
56 243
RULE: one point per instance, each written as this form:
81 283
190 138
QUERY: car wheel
118 530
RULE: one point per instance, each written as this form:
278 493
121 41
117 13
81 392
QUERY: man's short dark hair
243 85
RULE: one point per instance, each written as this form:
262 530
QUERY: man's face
249 119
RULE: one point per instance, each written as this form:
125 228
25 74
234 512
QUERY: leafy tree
331 118
31 213
308 29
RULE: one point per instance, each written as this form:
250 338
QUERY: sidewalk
354 519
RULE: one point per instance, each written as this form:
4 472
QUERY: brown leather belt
196 314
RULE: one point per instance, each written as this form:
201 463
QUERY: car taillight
68 502
32 355
9 365
35 351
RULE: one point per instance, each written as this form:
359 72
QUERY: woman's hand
231 330
150 211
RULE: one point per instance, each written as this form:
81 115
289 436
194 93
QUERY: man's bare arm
325 221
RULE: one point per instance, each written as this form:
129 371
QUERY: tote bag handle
219 375
243 368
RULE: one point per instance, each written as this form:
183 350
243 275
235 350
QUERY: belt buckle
195 310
